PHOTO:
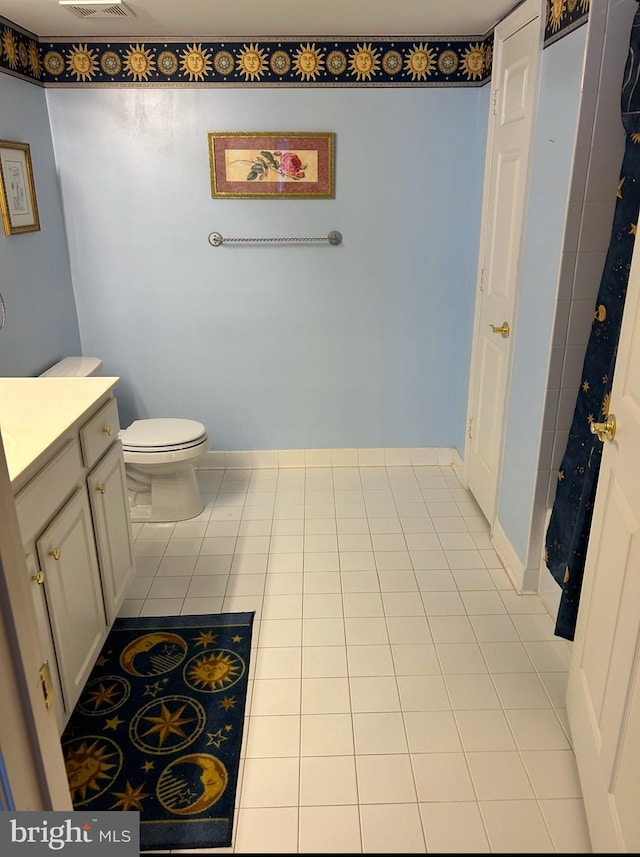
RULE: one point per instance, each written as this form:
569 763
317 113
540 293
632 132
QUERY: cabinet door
112 525
66 551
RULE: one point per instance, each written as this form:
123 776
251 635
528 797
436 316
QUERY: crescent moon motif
177 791
153 654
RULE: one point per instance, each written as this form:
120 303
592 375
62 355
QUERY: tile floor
403 698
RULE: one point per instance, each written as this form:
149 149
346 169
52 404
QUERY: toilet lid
162 433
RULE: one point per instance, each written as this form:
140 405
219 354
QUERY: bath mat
158 727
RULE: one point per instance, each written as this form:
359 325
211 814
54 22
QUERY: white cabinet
74 520
73 592
108 492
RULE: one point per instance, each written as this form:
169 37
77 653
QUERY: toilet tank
74 367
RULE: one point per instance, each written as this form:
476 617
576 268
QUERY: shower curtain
567 536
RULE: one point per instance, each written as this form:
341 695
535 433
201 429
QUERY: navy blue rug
158 727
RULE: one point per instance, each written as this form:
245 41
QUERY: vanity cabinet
75 526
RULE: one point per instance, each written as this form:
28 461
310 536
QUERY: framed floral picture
17 191
273 165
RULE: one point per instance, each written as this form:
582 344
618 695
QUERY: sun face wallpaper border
270 62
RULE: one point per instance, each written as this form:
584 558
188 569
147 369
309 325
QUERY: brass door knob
504 329
606 430
55 553
108 430
38 577
100 488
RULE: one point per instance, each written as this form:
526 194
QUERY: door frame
518 19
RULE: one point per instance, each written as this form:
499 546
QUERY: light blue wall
553 147
35 278
362 345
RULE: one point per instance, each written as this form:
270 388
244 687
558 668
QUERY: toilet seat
154 436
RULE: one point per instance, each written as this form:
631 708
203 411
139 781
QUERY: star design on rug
130 798
104 695
113 723
154 689
168 723
228 702
205 638
148 766
216 738
560 475
236 639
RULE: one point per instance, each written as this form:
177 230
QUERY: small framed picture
272 164
17 189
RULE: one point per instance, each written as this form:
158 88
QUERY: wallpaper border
390 61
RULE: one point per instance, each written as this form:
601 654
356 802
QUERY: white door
603 696
517 47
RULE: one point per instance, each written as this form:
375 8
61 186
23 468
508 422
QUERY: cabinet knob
55 553
107 430
38 577
100 488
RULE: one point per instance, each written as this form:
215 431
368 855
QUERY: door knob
504 330
606 430
55 553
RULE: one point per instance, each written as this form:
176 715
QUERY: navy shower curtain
567 536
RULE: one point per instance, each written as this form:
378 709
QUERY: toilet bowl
159 457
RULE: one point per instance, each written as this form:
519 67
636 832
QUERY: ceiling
256 18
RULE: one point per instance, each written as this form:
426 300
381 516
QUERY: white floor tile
402 696
329 830
392 829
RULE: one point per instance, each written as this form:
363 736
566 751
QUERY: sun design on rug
214 671
92 766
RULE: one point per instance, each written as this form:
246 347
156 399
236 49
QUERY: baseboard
385 457
523 579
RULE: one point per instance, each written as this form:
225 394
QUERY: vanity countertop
35 412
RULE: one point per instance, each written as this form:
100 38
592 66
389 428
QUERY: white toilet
159 457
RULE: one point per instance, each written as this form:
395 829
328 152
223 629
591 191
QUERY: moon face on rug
153 654
175 790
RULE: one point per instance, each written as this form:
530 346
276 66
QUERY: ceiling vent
98 8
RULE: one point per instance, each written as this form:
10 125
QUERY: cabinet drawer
98 433
46 492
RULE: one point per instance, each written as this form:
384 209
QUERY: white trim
385 457
524 580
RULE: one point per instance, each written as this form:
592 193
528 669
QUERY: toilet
159 457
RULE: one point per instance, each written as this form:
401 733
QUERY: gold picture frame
272 164
18 203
